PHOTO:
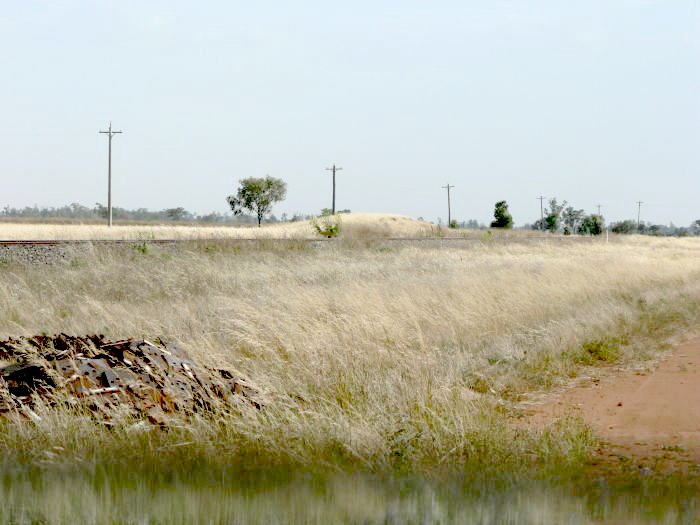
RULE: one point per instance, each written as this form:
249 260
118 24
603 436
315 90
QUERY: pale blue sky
593 101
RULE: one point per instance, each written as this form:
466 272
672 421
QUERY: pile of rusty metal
150 380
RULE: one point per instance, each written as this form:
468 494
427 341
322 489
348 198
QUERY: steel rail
51 242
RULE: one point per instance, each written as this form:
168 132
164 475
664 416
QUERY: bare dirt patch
648 420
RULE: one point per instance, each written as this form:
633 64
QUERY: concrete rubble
151 380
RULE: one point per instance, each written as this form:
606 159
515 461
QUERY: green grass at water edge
490 448
632 339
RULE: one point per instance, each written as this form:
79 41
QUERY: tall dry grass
377 357
356 224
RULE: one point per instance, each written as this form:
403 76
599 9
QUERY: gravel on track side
63 252
42 253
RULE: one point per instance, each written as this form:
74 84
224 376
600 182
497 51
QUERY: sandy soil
647 419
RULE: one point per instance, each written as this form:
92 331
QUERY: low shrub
328 226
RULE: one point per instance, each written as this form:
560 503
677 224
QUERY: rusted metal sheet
154 380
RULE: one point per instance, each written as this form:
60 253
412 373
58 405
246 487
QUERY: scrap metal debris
147 379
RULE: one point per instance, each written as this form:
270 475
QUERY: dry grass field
355 224
372 357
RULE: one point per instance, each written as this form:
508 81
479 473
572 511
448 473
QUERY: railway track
56 242
417 240
50 251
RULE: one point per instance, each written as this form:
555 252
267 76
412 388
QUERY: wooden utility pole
333 169
449 208
110 133
541 199
639 212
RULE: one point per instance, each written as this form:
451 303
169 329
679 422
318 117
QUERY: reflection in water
69 498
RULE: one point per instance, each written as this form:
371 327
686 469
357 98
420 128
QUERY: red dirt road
651 418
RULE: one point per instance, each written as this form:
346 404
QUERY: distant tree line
630 226
558 217
561 218
77 211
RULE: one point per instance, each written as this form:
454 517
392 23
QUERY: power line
639 212
333 169
449 210
109 173
541 199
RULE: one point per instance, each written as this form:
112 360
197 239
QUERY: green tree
101 210
592 225
177 214
694 228
552 219
537 225
625 227
572 218
503 219
257 195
